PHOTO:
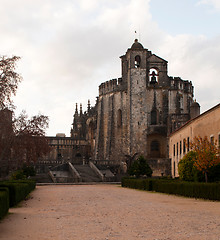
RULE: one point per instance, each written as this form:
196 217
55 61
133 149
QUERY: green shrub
142 184
140 167
24 173
18 175
4 201
18 190
28 171
209 191
187 170
31 183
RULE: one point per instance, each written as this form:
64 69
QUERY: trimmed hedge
4 201
209 191
31 183
18 190
142 184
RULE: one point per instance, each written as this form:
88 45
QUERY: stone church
135 114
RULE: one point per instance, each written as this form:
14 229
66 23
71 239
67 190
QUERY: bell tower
134 59
134 75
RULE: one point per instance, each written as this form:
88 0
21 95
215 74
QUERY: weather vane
139 37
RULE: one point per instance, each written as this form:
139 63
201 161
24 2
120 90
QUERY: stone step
87 174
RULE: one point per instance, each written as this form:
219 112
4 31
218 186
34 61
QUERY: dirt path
109 212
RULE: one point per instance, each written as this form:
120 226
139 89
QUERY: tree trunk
206 177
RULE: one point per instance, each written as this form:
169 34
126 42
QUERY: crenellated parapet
176 83
110 86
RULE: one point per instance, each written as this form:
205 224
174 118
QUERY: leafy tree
140 167
207 154
186 168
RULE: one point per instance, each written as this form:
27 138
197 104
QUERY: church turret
76 110
194 110
81 109
89 106
79 124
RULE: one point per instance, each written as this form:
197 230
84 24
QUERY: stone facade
206 124
66 149
135 114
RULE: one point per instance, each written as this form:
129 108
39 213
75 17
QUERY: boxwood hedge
209 191
18 190
4 201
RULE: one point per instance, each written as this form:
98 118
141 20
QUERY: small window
177 149
212 140
174 150
181 102
119 118
184 146
137 61
180 147
188 144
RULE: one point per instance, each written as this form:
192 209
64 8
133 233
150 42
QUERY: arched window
179 102
137 61
91 130
119 118
153 76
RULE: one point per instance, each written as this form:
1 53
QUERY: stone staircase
86 173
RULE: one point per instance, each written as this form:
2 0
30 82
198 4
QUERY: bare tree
9 80
21 139
29 142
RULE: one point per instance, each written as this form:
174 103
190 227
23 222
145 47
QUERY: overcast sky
69 47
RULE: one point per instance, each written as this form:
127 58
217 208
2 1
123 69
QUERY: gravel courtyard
109 212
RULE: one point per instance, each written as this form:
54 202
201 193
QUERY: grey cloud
68 48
